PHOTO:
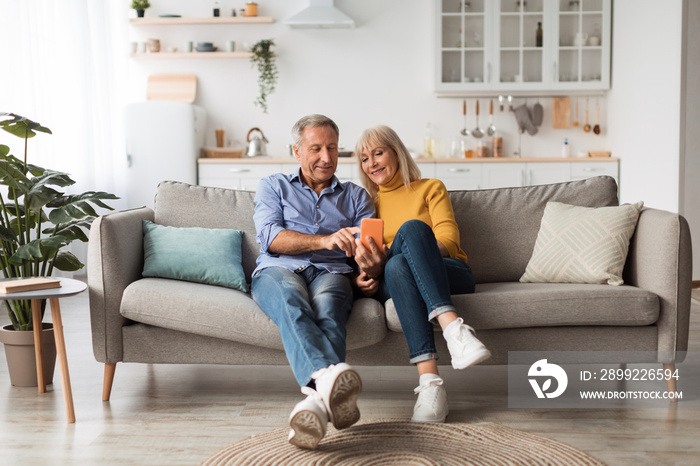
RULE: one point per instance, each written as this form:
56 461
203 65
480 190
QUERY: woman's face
380 163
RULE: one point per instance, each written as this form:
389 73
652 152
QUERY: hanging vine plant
264 59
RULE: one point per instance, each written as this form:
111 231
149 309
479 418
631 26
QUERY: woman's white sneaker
465 349
308 420
431 405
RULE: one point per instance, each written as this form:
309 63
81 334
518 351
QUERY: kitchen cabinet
458 176
494 46
244 176
503 175
463 174
510 174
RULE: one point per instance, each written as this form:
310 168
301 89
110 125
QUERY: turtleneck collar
395 183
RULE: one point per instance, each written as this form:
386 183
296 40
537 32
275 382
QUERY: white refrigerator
163 142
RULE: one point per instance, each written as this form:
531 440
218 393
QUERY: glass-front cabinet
464 43
582 45
522 45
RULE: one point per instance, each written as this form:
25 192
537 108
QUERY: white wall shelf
213 20
198 55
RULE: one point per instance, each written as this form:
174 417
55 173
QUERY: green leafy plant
264 59
140 4
36 220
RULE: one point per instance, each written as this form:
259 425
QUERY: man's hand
368 286
342 239
292 243
371 262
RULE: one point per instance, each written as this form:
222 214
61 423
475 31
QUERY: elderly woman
420 265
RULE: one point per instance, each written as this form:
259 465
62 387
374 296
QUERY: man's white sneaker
465 349
431 405
339 386
308 420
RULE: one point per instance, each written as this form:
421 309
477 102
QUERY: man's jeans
311 308
420 281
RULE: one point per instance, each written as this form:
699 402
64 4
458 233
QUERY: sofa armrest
115 259
660 260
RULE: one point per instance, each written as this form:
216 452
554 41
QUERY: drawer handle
239 170
591 169
459 170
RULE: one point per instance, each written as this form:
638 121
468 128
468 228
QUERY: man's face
318 156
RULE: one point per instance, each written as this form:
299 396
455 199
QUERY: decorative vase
140 12
21 360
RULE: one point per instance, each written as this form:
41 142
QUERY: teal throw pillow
201 255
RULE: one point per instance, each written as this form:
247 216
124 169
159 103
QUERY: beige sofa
154 320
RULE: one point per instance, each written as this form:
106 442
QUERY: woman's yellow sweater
426 200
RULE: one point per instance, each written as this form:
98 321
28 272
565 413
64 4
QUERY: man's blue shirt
283 202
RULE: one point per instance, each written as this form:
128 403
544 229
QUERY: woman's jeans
311 308
420 281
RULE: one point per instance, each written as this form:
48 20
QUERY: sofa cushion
182 205
582 244
201 255
498 227
230 314
520 305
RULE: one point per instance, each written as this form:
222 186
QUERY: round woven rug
379 442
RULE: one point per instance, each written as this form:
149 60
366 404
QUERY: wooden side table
69 287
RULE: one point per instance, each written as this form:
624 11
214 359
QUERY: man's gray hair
311 121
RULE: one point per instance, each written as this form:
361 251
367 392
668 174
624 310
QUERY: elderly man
305 223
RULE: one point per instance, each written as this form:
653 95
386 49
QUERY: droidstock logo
542 370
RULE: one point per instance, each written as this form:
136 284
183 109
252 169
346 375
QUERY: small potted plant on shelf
37 222
140 6
264 59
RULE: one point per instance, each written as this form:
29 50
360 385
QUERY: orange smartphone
374 228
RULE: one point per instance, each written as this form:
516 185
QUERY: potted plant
264 59
37 221
140 6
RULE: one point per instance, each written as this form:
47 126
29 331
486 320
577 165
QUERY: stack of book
28 284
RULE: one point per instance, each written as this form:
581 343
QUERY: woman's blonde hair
383 136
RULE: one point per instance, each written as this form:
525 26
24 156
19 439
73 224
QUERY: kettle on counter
256 146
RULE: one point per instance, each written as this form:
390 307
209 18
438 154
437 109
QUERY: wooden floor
172 415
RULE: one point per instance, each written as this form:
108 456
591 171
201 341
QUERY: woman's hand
371 262
368 286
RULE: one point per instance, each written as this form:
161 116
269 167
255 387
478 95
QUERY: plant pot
140 13
21 360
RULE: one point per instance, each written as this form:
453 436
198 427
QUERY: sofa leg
109 378
671 382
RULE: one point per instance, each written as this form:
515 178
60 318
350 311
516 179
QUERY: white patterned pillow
582 244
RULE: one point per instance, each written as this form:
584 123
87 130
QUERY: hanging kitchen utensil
510 103
561 112
465 131
587 127
491 130
477 132
596 128
575 123
524 119
500 102
256 145
537 113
